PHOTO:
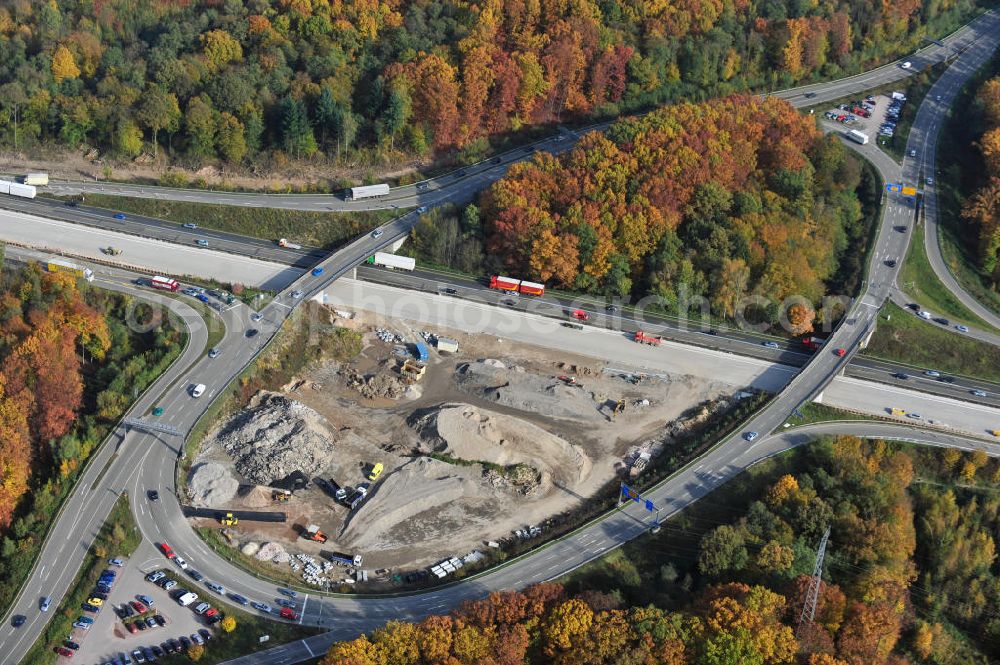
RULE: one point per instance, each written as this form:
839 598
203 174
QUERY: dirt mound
211 485
517 389
470 433
276 436
379 385
418 486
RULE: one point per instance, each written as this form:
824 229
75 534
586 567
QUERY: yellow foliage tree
195 652
567 622
228 624
64 64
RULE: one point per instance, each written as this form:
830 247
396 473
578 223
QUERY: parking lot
109 639
879 109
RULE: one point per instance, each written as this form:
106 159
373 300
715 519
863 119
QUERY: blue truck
423 355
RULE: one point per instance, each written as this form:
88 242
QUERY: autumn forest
238 81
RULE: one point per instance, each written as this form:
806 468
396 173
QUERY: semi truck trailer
366 192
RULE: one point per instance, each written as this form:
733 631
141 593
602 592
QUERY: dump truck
283 242
516 285
643 338
312 532
813 343
411 370
341 559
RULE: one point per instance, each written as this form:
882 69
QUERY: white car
296 294
930 181
913 153
377 233
179 560
961 328
933 373
915 416
750 436
906 65
198 390
923 314
978 393
256 316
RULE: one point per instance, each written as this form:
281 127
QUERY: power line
812 594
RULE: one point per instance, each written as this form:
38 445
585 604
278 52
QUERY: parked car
216 587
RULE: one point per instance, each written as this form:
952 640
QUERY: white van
187 598
198 390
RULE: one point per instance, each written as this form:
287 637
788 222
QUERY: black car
460 173
149 653
175 646
943 321
901 376
901 228
212 620
153 495
914 306
72 204
185 643
140 624
450 291
495 160
713 331
946 379
70 644
160 621
205 633
252 333
18 620
198 577
891 263
810 95
611 309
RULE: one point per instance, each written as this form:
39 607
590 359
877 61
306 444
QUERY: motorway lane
461 185
84 512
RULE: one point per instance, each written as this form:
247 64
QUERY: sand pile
476 434
276 436
517 389
418 486
211 485
380 385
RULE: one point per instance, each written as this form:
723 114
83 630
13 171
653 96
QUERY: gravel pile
211 485
275 437
517 389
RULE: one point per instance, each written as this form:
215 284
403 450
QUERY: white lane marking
306 645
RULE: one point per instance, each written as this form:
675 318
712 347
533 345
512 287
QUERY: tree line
982 209
909 577
241 81
69 368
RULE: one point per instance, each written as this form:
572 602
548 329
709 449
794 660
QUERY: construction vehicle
341 559
376 471
313 533
995 432
229 520
643 338
568 380
111 251
619 408
280 496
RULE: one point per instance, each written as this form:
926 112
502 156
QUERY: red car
211 612
167 552
581 315
138 607
131 627
288 613
64 652
840 352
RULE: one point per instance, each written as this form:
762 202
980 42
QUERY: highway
145 461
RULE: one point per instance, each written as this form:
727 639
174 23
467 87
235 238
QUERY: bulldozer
229 520
312 532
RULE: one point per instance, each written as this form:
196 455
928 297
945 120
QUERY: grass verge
118 537
815 412
901 337
918 280
319 229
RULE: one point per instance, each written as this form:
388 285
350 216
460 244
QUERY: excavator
312 532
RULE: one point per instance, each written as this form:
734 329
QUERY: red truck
643 338
812 343
516 285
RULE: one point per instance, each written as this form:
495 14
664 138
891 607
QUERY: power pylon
812 594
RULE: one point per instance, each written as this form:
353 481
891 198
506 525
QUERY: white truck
37 179
288 245
392 261
366 192
857 137
17 189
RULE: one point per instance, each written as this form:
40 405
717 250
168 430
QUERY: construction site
432 448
